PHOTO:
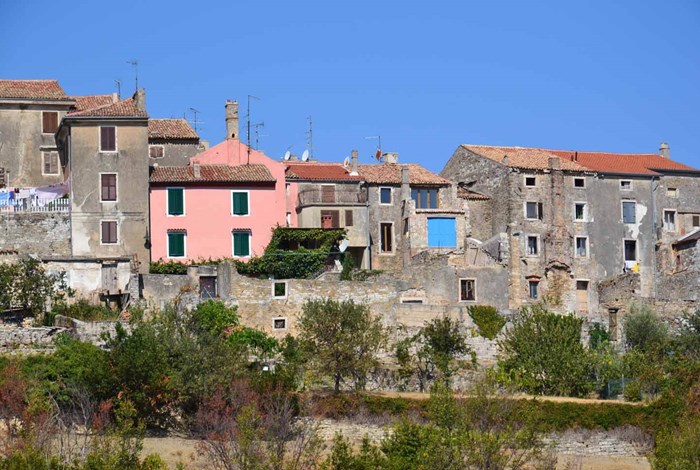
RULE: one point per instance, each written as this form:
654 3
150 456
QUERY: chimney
505 160
203 145
231 119
353 167
197 170
140 99
665 150
405 183
115 97
391 157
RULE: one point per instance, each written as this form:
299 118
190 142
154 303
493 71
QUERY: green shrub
644 330
487 319
348 267
678 448
597 336
83 310
169 267
214 316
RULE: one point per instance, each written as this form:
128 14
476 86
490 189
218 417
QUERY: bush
487 319
598 336
214 316
644 330
679 448
82 310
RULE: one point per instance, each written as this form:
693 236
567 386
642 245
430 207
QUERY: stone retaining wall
38 233
18 339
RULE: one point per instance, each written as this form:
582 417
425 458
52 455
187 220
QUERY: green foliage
687 342
678 449
487 319
348 267
341 339
169 267
214 316
644 330
543 354
256 341
597 336
81 310
26 285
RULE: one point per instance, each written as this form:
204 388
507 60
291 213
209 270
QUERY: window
582 296
176 201
425 198
467 290
533 210
630 250
671 192
625 185
176 244
109 232
241 244
580 211
49 122
581 247
156 151
442 232
279 323
386 232
530 181
108 139
532 245
384 195
239 203
279 289
579 182
108 187
288 219
696 221
50 163
330 219
348 218
533 287
629 212
328 193
670 221
207 287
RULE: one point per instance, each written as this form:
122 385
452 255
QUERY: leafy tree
341 338
644 330
678 449
688 340
214 316
487 319
26 285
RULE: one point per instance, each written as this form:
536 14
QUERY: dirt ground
520 396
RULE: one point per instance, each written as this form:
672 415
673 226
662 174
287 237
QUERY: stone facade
35 233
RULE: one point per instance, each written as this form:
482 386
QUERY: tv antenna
119 88
310 138
257 127
135 64
195 112
248 125
378 154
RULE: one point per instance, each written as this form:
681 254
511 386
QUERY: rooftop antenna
195 111
135 63
378 154
248 118
310 138
119 88
257 133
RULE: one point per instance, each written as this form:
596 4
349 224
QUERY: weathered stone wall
89 331
160 289
39 233
19 339
175 153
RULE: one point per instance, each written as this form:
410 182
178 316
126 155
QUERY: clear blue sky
427 76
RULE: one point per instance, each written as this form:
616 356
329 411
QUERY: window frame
382 251
675 193
247 193
622 188
537 246
579 178
284 319
417 194
43 132
273 292
622 208
167 201
184 244
459 289
43 163
693 218
585 211
116 230
162 151
539 208
116 186
99 137
391 195
530 284
352 217
233 244
587 245
636 250
675 220
526 177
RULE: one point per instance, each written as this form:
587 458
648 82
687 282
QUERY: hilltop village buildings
94 186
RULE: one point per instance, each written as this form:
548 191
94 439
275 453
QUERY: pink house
225 203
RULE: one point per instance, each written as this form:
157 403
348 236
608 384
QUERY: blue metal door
442 232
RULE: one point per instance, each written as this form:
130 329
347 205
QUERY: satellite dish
346 162
287 155
305 156
343 246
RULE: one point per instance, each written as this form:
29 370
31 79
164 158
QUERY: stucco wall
175 153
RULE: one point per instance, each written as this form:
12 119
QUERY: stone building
573 219
171 142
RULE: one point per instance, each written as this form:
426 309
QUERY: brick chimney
140 99
665 150
405 183
353 165
232 119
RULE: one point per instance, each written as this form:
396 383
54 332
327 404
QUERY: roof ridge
558 150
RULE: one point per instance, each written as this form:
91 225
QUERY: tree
645 331
26 285
342 339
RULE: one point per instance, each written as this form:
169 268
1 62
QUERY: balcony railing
35 205
309 197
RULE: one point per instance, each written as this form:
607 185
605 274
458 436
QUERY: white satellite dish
346 162
305 156
287 155
343 246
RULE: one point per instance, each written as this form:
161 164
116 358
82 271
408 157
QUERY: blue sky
619 76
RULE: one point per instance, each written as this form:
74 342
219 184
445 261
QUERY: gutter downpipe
653 237
369 233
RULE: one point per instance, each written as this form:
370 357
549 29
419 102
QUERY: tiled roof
86 102
522 157
390 173
123 108
252 173
468 194
319 172
176 129
32 89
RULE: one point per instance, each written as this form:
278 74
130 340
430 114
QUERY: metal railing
33 204
309 197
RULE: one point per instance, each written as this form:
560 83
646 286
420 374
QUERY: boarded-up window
108 186
109 231
156 151
328 193
386 230
467 290
49 122
241 244
108 139
240 203
330 219
176 244
348 218
50 162
629 212
176 201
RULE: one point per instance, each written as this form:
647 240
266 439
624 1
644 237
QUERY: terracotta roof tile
252 173
123 108
468 194
176 129
522 157
86 102
390 173
32 89
319 172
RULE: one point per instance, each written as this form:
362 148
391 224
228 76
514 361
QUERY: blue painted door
442 232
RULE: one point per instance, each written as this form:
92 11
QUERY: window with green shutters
240 202
241 244
176 245
176 201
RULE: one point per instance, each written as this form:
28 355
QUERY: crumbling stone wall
38 233
19 339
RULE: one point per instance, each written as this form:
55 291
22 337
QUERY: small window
176 244
696 221
108 187
533 210
108 139
580 211
240 203
156 151
50 163
425 198
532 245
581 247
279 323
671 192
176 201
625 185
241 244
330 219
109 232
533 287
530 181
629 212
49 122
385 195
630 250
386 230
279 289
467 290
670 221
207 287
579 182
348 218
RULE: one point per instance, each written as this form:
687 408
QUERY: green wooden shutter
176 245
176 201
241 244
240 203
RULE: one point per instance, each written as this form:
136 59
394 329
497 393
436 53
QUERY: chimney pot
353 167
665 150
115 97
231 119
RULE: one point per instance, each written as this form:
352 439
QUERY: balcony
335 197
34 204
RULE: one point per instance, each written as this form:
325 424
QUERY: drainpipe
653 236
369 233
69 156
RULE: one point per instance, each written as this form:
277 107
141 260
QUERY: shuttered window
50 163
108 186
108 139
629 212
241 244
176 201
176 245
240 203
109 231
348 218
156 151
49 122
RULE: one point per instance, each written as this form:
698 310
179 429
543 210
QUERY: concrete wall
38 233
89 276
175 153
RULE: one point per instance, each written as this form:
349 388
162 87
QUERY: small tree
342 339
26 285
644 330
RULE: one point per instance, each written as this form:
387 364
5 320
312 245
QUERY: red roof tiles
390 173
176 129
319 172
83 103
252 173
468 194
123 108
32 89
522 157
